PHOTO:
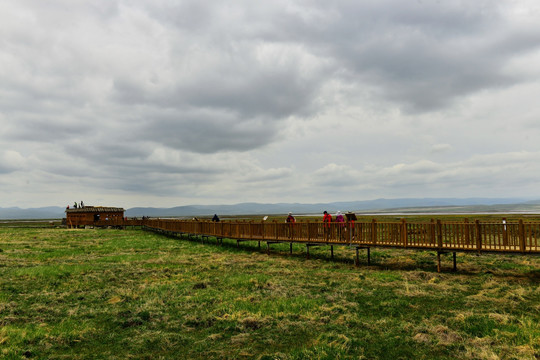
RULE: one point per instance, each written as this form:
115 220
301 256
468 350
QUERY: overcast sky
170 102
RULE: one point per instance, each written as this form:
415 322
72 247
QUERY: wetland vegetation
117 294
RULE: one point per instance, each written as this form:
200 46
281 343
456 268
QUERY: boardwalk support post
454 268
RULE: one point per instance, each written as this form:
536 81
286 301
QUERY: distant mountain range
413 205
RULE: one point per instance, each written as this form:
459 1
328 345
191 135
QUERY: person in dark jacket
290 220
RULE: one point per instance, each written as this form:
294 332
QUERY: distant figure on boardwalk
340 220
351 218
75 205
327 219
290 218
215 218
82 204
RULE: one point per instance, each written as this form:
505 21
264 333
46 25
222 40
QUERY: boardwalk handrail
502 237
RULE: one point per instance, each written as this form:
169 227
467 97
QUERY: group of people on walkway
342 224
327 218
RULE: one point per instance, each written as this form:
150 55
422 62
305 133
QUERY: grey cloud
272 93
45 128
421 56
10 161
258 175
194 16
208 131
440 148
177 97
239 83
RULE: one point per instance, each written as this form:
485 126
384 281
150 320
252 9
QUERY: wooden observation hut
94 216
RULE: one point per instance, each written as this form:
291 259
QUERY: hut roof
95 209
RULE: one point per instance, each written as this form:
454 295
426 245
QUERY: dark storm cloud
243 88
45 128
207 131
252 67
421 56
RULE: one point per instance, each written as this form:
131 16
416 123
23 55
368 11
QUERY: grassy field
120 294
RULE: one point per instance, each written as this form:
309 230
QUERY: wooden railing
513 237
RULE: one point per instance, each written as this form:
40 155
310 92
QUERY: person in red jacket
290 218
327 219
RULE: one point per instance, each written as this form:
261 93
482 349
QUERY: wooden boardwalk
440 236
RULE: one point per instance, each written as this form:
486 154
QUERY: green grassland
121 294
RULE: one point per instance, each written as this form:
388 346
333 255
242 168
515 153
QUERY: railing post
308 231
478 235
505 233
374 231
432 231
404 232
350 230
467 235
522 243
439 234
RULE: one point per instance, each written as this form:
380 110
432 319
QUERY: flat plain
120 294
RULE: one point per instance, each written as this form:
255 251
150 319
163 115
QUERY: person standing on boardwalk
327 219
215 218
351 218
340 220
290 220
